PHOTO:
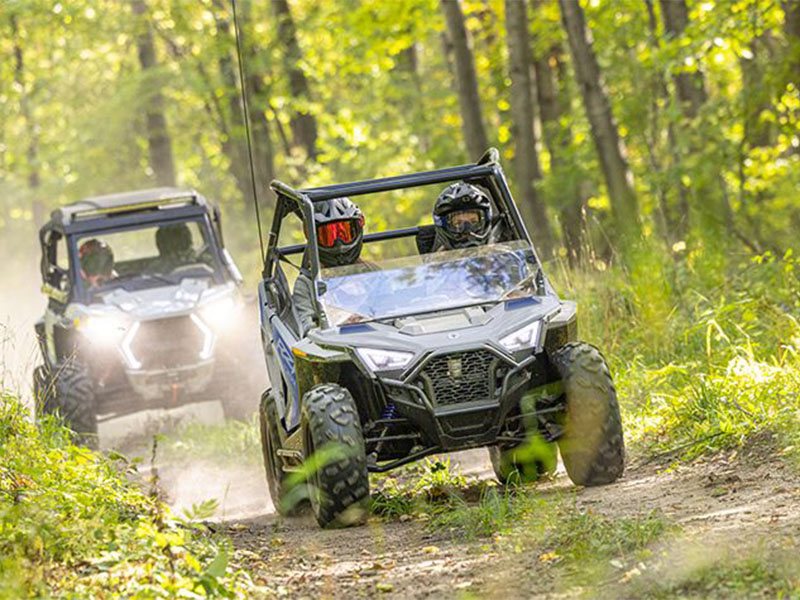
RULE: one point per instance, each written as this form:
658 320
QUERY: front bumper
155 384
469 414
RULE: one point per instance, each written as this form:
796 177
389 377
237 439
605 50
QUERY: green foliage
760 575
707 364
520 520
73 525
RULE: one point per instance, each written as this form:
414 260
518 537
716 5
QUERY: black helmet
339 226
463 216
174 240
97 258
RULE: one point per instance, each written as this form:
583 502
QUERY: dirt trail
719 504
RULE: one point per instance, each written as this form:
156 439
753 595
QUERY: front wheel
68 394
591 447
336 462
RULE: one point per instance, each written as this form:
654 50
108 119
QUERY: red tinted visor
346 231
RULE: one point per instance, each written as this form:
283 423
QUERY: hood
164 301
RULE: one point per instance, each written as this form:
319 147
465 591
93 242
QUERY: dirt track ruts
720 503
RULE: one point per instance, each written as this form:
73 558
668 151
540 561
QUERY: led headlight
102 329
125 348
219 312
384 360
525 337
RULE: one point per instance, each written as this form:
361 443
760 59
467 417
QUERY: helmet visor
462 221
346 231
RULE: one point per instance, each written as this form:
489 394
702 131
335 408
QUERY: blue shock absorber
389 412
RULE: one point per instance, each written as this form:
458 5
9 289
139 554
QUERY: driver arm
303 299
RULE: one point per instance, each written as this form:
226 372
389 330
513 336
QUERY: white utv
143 310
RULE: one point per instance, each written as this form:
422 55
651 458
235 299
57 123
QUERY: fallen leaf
431 550
630 575
384 587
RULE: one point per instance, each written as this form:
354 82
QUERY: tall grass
702 358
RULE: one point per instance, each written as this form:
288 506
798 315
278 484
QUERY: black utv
422 352
144 310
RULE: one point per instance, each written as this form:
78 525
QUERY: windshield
438 281
150 256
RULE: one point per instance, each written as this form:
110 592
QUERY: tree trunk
526 159
303 123
791 30
32 152
604 130
466 80
235 136
557 140
158 139
756 95
674 217
690 86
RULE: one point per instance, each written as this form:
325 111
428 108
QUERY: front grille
460 377
168 343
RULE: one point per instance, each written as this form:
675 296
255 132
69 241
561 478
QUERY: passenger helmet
340 231
463 216
174 240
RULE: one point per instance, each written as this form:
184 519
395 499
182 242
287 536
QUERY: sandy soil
722 503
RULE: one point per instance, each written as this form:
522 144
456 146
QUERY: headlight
103 329
219 312
384 360
526 337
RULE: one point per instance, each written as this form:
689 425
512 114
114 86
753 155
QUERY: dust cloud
240 491
21 304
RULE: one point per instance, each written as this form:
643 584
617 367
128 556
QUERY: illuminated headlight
104 330
208 337
219 312
526 337
384 360
125 348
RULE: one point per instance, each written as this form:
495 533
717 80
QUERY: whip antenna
247 125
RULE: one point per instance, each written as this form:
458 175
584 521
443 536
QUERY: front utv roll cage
487 172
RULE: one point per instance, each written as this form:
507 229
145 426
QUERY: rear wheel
592 446
273 464
68 394
336 461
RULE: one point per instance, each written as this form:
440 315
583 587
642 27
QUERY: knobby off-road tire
273 465
515 465
68 394
338 482
591 447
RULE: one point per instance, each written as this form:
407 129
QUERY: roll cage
487 173
116 212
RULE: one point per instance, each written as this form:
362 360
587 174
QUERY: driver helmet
174 241
97 261
463 216
340 231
